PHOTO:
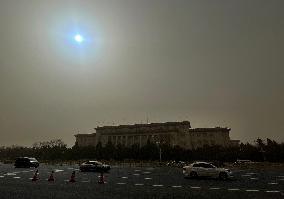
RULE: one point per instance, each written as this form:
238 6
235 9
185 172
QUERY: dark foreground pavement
138 183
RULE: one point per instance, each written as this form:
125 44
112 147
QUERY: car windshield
95 162
209 166
204 165
32 159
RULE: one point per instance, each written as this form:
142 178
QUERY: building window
123 140
114 139
205 142
136 139
144 139
130 140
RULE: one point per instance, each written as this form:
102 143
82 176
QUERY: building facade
172 133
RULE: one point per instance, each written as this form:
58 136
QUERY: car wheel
223 176
193 174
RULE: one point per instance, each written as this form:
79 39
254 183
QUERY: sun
78 38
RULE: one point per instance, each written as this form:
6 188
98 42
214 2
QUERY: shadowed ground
136 182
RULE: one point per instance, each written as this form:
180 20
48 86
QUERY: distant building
173 133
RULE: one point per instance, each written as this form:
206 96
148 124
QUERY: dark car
26 162
94 166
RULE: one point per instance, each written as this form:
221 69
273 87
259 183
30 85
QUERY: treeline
56 150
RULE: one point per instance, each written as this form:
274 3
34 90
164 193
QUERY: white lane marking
214 188
148 178
16 172
234 189
121 183
158 185
246 175
138 184
25 171
147 172
16 177
85 181
272 183
124 177
136 174
280 176
1 176
30 178
195 187
10 174
70 168
58 170
176 186
281 179
137 170
273 191
254 178
252 190
251 173
66 180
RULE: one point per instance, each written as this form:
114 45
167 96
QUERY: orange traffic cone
101 179
35 177
72 178
51 177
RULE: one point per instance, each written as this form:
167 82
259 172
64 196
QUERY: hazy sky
214 63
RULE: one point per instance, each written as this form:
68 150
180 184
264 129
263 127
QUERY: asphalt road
135 182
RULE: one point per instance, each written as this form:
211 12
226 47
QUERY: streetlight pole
160 154
158 143
160 151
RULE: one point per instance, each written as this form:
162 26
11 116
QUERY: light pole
160 151
158 143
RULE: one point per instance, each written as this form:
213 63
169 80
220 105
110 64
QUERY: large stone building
173 133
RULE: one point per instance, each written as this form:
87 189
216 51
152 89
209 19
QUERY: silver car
94 166
205 169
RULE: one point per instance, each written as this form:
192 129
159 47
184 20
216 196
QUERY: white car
94 166
205 169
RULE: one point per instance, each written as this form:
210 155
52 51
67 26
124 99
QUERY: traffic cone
101 179
51 177
72 178
35 177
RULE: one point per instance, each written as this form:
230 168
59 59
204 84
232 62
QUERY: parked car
26 162
242 162
174 163
205 169
96 166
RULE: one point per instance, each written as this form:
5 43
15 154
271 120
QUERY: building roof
215 129
85 135
183 123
